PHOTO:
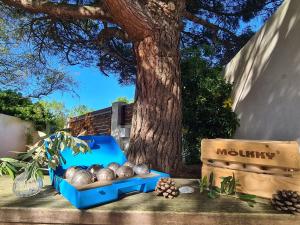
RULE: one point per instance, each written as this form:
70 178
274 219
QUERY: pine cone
286 201
166 187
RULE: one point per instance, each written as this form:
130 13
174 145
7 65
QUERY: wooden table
141 209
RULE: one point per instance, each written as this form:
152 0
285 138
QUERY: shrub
207 109
14 104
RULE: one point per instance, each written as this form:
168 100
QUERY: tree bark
154 26
156 124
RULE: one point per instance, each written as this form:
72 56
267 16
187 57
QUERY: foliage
123 99
79 111
207 109
228 188
22 70
61 113
44 153
88 41
14 104
57 109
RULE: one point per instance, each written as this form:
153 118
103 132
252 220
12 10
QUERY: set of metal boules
78 176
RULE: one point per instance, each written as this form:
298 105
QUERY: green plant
14 104
79 110
206 109
45 152
227 188
123 99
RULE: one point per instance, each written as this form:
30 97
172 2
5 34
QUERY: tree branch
66 11
111 32
208 25
131 16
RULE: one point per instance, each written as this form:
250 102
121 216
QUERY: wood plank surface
141 209
279 154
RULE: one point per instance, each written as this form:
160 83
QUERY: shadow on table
41 199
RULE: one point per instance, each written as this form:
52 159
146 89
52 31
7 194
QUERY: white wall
266 76
13 134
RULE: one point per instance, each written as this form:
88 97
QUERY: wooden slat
266 153
262 185
145 208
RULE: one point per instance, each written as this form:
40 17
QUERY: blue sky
98 91
95 90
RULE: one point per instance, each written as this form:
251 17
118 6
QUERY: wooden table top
48 207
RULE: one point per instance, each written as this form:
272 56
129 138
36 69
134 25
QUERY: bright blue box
104 151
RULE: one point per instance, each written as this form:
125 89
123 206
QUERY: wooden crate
262 167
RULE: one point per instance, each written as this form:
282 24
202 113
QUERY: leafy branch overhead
24 70
140 41
45 153
227 188
95 33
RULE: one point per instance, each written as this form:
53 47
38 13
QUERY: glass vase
26 188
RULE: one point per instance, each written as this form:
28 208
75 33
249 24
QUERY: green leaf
8 160
216 189
32 160
40 173
10 172
203 184
246 196
213 194
11 167
211 180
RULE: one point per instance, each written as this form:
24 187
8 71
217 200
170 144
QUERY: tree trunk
156 123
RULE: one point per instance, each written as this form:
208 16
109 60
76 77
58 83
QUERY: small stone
186 190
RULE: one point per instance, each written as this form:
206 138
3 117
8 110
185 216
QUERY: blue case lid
104 150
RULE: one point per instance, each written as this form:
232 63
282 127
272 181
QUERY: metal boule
69 173
113 166
130 164
125 171
82 177
105 175
141 169
93 169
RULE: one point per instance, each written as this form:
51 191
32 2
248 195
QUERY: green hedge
14 104
207 109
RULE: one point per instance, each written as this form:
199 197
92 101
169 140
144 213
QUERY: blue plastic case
104 151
